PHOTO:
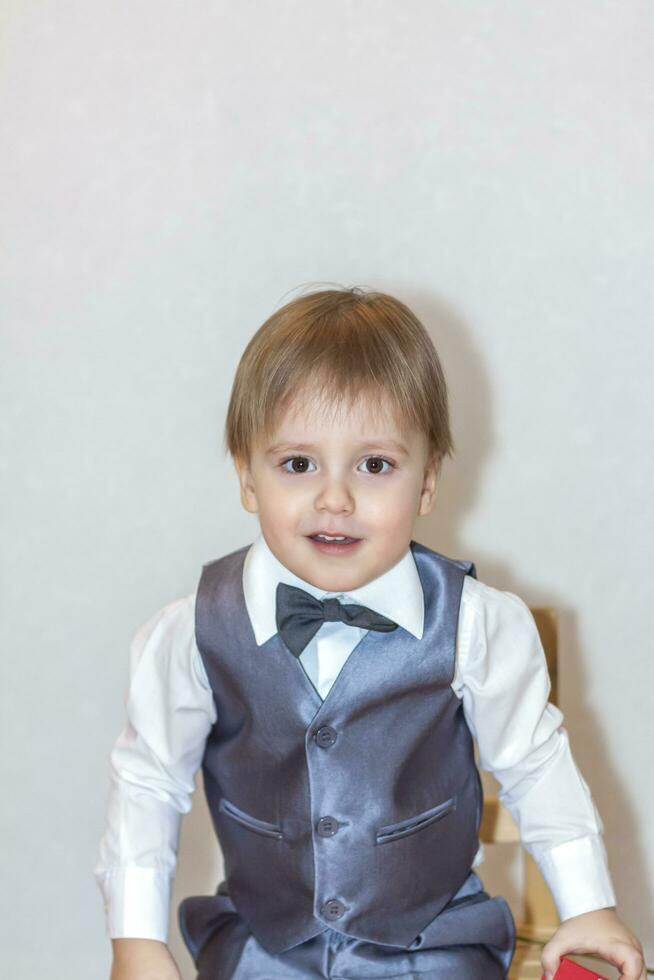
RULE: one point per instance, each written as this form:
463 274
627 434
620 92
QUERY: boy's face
355 473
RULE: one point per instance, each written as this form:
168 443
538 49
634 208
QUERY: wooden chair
540 918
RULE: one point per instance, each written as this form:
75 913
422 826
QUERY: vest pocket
393 831
252 823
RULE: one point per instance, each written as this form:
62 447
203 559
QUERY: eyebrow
311 447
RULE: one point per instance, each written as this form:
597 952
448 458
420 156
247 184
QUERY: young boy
330 678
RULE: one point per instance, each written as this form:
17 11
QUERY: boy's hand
142 959
600 933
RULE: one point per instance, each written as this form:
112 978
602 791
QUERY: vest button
327 826
332 909
326 736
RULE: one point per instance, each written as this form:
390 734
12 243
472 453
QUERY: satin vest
359 812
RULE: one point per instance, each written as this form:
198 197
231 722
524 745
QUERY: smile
333 545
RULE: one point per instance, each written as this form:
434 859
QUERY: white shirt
500 674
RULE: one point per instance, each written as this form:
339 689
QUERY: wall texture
170 173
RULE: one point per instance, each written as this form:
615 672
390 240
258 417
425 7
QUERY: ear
248 491
429 484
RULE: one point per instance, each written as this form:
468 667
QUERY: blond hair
342 344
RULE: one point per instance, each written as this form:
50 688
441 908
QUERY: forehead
308 410
368 416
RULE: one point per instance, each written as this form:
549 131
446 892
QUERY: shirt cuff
577 874
136 902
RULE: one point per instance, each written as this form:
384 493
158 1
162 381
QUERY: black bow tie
300 616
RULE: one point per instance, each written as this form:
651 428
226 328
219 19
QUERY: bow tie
300 616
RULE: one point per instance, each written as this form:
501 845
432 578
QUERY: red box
572 971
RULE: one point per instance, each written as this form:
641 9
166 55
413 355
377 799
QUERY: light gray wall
169 174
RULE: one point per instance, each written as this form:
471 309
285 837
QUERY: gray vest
360 812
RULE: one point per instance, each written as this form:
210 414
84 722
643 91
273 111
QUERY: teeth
325 537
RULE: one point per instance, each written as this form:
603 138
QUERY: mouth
330 544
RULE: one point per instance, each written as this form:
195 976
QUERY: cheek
390 514
394 497
283 504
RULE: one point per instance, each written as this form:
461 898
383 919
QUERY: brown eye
299 464
375 464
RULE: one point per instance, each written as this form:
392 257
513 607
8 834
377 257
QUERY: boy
329 679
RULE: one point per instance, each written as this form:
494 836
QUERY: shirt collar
397 593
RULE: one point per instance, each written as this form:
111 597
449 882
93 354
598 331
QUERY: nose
335 497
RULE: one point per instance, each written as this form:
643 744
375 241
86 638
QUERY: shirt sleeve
502 677
170 711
